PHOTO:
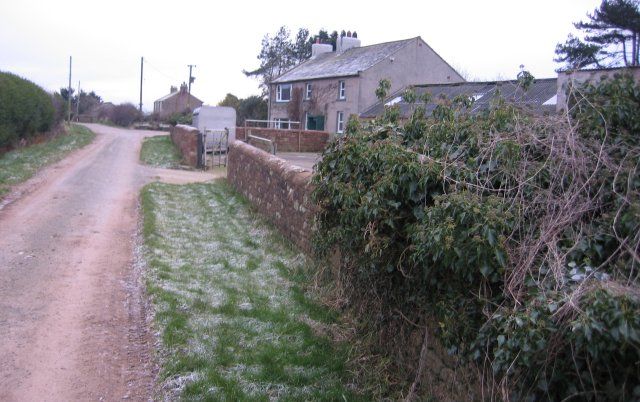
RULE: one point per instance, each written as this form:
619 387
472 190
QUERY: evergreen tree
280 53
612 37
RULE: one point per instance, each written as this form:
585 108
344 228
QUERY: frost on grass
225 310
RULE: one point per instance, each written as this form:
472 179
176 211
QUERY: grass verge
20 164
231 312
159 151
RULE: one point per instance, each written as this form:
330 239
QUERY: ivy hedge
515 237
25 109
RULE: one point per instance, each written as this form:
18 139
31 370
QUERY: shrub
516 238
186 117
25 109
124 114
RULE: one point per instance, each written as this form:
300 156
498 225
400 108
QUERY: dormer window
283 92
342 90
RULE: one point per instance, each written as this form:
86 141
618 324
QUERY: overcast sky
485 40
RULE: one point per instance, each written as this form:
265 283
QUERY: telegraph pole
78 104
69 93
191 79
141 72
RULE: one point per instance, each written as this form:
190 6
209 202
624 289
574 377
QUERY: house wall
324 101
565 77
177 104
414 64
279 191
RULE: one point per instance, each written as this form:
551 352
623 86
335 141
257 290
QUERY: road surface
73 321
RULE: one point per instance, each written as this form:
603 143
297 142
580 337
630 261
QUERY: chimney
173 89
183 88
347 42
319 48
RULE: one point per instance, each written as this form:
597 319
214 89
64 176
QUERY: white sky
485 40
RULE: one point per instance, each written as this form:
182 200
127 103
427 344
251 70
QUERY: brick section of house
278 190
185 139
288 140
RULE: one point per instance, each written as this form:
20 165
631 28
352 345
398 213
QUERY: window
308 92
342 93
283 93
281 123
340 123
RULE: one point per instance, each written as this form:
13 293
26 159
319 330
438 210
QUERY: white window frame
340 122
306 121
279 89
342 90
279 122
308 91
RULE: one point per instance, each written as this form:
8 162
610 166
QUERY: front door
315 123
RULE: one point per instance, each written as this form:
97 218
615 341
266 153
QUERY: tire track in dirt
73 321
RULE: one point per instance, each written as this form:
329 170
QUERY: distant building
323 91
177 101
539 98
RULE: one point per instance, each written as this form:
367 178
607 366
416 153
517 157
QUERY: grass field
21 164
233 318
159 151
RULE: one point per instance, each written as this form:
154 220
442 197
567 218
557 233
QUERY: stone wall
278 190
185 139
288 140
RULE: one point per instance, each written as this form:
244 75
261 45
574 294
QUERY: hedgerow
515 238
25 109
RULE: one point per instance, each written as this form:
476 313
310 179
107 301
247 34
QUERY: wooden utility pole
141 73
78 104
69 93
191 79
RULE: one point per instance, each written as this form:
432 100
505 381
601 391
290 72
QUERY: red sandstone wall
288 140
279 191
186 140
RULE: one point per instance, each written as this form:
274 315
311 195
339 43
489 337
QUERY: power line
156 69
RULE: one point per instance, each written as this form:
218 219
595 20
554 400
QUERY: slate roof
348 63
540 97
172 94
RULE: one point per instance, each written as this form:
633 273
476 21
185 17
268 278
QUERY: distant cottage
323 91
177 101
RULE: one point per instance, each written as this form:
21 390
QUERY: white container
217 119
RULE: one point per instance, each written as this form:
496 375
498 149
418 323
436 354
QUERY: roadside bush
25 109
514 238
186 117
124 114
60 108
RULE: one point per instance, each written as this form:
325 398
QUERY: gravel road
73 321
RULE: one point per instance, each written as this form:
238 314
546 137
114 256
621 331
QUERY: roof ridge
480 82
383 43
346 54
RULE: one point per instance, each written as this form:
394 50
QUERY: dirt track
72 312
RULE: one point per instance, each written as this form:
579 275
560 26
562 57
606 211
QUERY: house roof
540 97
172 94
348 63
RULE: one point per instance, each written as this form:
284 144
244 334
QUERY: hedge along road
72 317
